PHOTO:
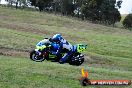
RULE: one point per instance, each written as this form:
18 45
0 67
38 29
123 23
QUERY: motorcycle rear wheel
77 60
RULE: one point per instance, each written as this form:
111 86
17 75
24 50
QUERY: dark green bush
127 22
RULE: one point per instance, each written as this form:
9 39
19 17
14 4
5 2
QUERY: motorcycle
77 58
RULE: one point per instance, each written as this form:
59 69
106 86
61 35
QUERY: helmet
56 38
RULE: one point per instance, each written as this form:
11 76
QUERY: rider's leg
65 57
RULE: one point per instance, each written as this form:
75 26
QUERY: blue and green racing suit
64 45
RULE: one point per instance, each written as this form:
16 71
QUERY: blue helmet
57 38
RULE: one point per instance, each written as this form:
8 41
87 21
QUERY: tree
10 2
41 4
24 3
17 3
66 7
89 9
101 10
110 12
118 4
127 22
56 6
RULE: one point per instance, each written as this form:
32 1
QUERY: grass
23 73
109 53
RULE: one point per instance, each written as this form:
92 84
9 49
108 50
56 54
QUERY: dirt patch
13 52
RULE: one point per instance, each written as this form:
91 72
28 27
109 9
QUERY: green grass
108 56
24 73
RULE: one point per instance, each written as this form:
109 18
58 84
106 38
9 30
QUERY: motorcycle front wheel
35 57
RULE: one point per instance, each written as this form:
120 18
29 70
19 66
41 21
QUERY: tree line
101 11
18 3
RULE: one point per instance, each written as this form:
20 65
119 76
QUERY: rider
57 38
